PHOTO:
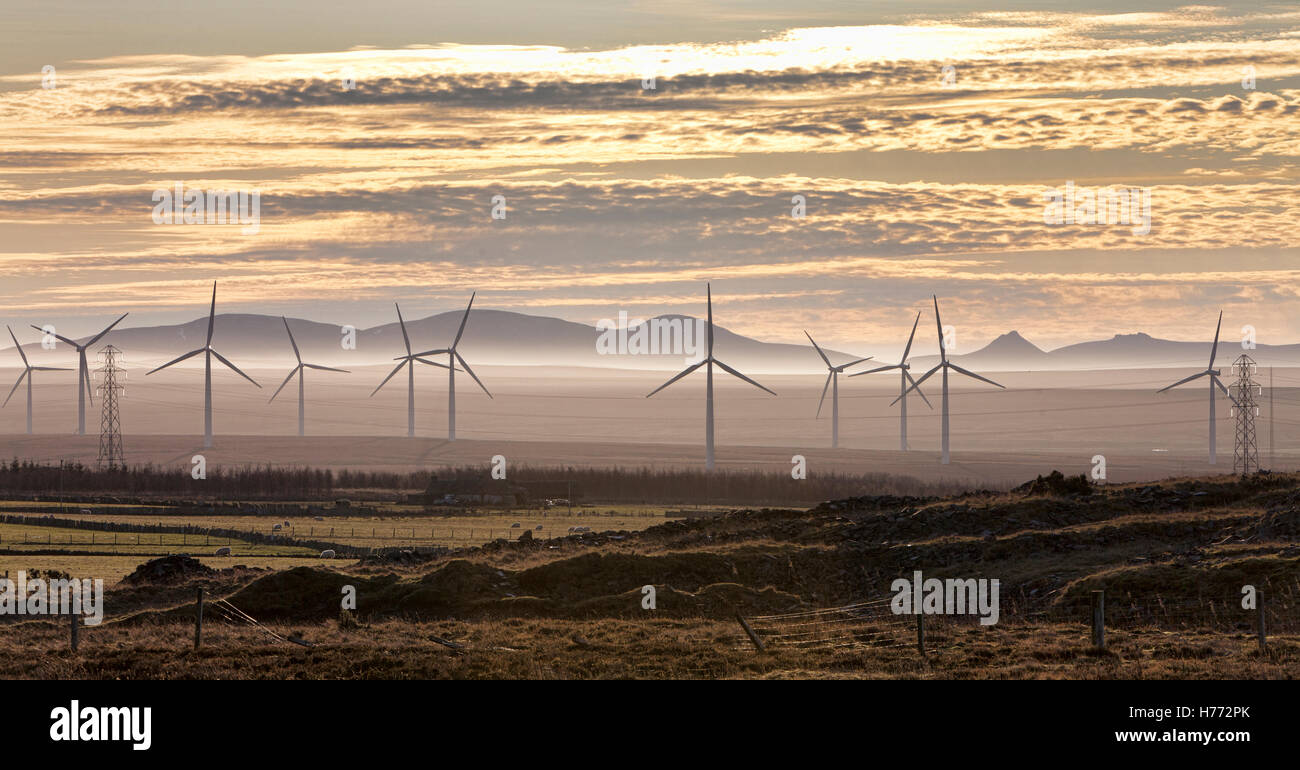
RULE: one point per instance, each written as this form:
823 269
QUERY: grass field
379 531
518 648
111 569
25 537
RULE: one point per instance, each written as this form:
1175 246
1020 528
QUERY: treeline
625 485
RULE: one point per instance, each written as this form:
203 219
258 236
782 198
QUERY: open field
112 568
619 649
1172 559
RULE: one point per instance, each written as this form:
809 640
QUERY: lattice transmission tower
1245 457
110 387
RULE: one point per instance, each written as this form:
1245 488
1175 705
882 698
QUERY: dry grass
519 648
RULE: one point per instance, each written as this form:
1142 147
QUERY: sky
924 139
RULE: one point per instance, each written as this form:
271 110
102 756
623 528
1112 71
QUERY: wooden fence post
753 637
1099 619
76 629
198 618
1263 632
920 633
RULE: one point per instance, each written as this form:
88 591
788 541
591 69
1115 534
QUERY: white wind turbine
83 371
27 374
1213 374
709 361
902 366
832 379
208 352
407 360
945 365
298 370
452 357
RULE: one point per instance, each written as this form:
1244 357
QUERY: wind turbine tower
944 365
208 352
1214 382
298 370
833 382
905 378
709 362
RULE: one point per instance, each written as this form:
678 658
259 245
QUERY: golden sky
921 144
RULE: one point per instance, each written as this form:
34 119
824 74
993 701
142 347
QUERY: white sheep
223 551
328 553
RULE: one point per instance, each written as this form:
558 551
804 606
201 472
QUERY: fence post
920 633
753 637
198 618
1259 611
76 629
1099 619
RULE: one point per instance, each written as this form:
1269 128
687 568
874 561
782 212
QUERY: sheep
515 525
223 551
275 528
328 553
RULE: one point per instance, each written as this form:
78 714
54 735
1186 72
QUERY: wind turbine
208 352
944 364
298 370
902 366
27 373
832 378
708 362
1213 374
406 360
452 358
83 376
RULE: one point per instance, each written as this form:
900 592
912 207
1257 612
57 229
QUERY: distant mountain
499 337
491 337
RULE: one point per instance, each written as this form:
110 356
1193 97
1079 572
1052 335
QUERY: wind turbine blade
877 369
829 375
1182 381
15 388
190 354
916 384
910 337
708 287
84 376
296 354
1216 381
816 347
402 322
58 337
471 372
107 329
842 367
49 368
735 373
980 377
685 372
437 352
1214 350
20 347
212 313
463 319
405 361
430 363
236 369
919 392
292 372
326 368
943 353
